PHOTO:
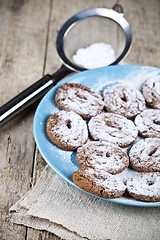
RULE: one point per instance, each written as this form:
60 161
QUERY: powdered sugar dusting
106 180
128 172
66 155
124 100
145 155
148 123
67 129
137 80
114 128
142 184
102 156
94 56
133 79
151 91
80 99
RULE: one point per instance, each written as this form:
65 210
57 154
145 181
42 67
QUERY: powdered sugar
146 185
80 99
124 100
106 180
145 155
114 128
148 123
151 91
102 156
136 80
94 56
67 130
132 79
128 172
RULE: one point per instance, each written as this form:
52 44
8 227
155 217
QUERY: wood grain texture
28 31
23 32
144 17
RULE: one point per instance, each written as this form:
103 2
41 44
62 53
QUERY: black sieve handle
32 94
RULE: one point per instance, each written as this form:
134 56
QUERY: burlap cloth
58 207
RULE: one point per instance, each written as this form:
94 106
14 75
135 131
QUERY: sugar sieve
81 30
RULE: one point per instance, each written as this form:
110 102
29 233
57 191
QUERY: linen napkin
58 207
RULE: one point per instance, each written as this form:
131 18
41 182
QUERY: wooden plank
144 17
23 32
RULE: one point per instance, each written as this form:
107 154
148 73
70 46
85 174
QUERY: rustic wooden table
28 31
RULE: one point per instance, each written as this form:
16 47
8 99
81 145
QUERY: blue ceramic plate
64 162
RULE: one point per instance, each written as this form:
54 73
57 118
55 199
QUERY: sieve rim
93 12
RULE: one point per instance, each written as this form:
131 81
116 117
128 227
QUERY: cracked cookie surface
67 130
145 155
148 123
113 128
102 156
122 99
80 99
99 183
145 186
151 92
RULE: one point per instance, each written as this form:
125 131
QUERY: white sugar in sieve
92 26
97 25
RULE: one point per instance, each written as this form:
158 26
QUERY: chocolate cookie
151 92
80 99
148 123
67 130
102 156
99 183
145 186
113 128
123 100
145 155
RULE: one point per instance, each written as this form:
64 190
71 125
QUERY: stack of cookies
110 133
